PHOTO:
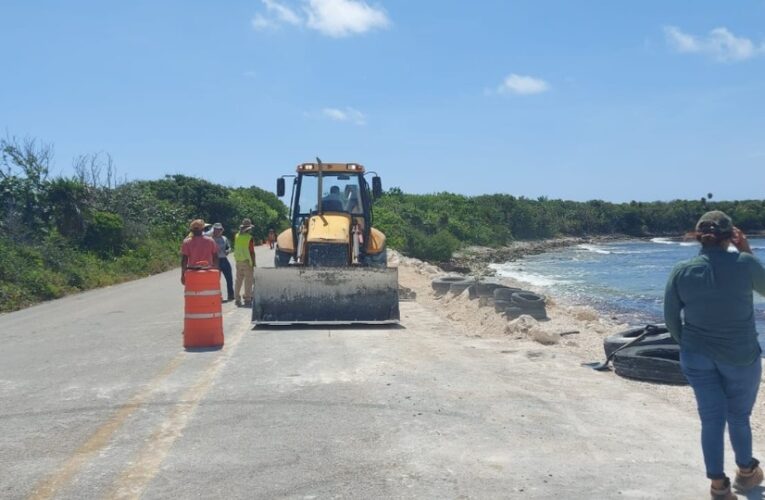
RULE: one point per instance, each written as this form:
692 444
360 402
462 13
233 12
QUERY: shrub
104 234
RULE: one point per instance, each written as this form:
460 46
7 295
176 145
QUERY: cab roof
355 168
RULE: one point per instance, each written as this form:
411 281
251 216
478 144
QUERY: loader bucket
327 296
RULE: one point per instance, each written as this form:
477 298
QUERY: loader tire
376 261
281 259
505 292
442 284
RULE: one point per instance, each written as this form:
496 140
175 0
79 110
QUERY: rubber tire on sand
486 287
513 312
505 292
528 300
537 313
442 284
458 288
615 341
501 305
650 363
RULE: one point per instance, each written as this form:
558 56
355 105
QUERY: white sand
526 333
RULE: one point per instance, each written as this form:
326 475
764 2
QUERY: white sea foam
663 241
594 249
514 271
688 243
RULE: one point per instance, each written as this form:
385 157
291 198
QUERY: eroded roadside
527 334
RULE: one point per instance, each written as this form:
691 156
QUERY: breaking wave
595 249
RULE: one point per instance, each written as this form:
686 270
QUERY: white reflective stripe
203 292
203 316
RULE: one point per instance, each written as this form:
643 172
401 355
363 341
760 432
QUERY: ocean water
623 279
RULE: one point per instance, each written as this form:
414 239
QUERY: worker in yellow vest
244 254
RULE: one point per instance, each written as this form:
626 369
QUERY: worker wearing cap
224 248
244 254
719 352
198 250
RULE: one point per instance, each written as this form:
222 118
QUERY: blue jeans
723 393
225 270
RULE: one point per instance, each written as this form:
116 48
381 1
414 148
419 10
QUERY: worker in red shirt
198 251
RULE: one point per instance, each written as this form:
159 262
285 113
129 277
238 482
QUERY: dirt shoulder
525 333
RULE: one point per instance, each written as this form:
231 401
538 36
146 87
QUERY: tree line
432 226
60 234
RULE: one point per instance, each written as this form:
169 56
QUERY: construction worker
244 254
224 248
198 250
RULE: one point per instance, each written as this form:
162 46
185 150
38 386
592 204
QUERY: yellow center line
49 487
101 437
134 480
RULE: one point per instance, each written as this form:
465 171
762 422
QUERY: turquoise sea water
623 279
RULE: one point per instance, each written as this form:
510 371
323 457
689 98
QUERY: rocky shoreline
475 260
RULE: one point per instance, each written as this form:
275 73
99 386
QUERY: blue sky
643 100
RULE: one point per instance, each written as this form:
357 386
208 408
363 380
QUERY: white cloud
720 44
345 115
282 13
335 18
339 18
522 85
261 22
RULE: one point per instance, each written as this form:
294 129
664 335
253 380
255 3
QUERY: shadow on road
278 328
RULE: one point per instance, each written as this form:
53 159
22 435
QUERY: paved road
99 400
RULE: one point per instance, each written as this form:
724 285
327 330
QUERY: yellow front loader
331 264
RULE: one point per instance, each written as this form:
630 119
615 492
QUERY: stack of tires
514 302
506 300
453 284
656 358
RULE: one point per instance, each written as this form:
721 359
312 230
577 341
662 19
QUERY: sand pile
475 320
525 332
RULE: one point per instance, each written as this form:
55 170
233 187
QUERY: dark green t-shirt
714 292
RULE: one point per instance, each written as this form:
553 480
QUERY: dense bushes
419 224
64 234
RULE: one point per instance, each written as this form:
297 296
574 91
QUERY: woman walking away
719 352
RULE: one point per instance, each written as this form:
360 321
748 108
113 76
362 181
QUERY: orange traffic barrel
203 319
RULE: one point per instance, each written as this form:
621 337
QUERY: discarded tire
536 313
485 287
513 312
650 363
505 292
485 301
527 300
501 305
660 337
459 287
442 284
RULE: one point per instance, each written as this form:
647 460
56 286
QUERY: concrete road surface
99 400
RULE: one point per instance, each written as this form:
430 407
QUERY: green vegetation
431 226
65 234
